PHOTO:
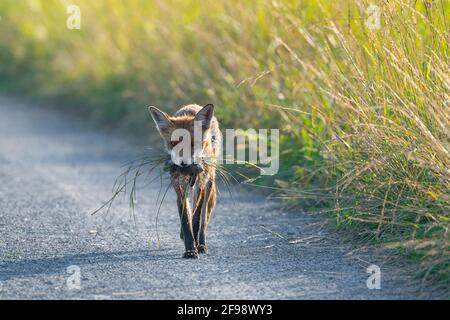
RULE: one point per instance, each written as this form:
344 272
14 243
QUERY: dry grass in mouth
151 168
148 167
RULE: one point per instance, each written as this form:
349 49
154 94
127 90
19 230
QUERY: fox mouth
189 170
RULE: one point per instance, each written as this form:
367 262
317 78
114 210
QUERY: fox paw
190 254
202 249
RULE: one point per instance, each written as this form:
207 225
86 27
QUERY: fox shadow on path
47 266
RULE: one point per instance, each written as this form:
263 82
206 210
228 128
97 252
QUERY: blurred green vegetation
364 113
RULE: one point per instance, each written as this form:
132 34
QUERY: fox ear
161 119
205 115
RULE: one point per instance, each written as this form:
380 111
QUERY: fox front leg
184 211
206 208
186 229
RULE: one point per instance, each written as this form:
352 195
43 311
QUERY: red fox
192 170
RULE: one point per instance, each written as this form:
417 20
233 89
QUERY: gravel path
54 172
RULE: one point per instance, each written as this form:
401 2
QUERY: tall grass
364 113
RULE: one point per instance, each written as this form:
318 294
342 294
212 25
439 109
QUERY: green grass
364 114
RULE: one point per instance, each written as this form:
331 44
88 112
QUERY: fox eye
173 143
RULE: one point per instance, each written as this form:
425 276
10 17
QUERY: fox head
186 136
